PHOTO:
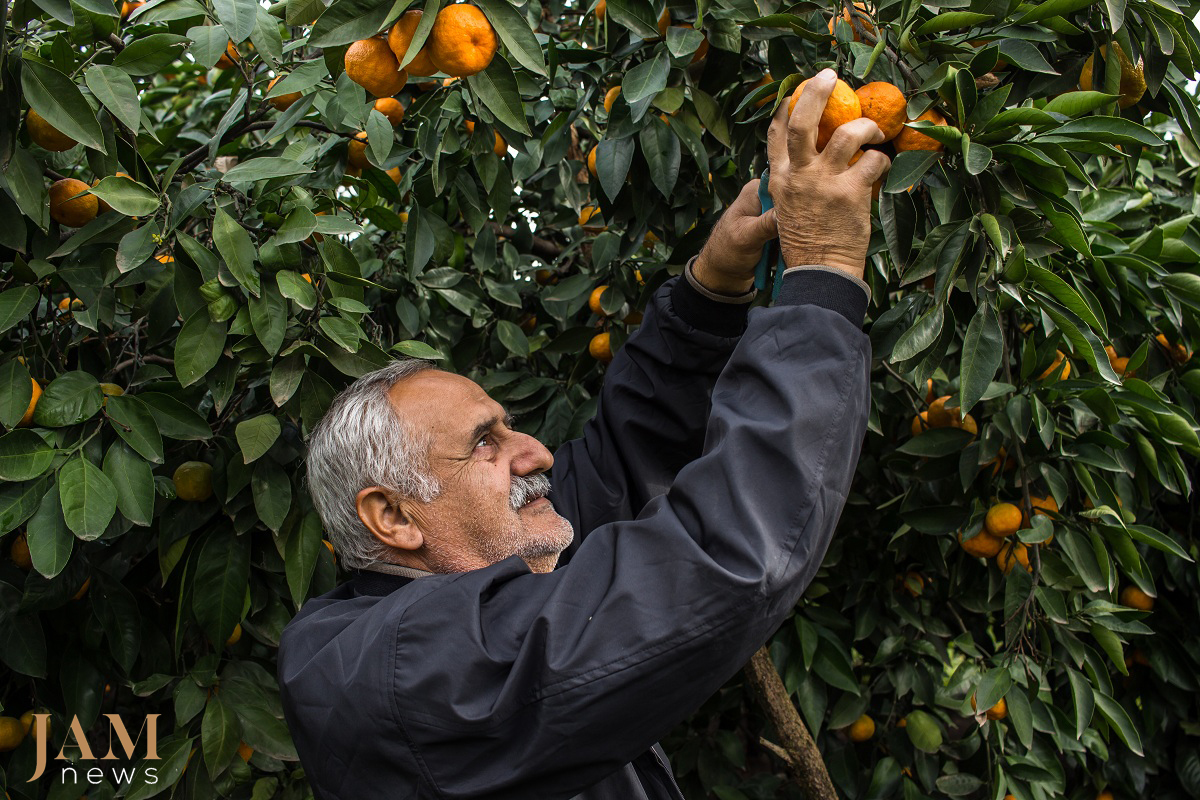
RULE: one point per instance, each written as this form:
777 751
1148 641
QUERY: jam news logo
116 725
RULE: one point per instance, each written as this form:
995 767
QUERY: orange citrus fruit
600 348
400 37
391 108
69 210
885 104
856 23
1134 597
87 582
45 135
939 416
372 65
610 97
998 711
981 545
591 161
1053 368
1015 553
587 214
861 729
1003 519
19 553
664 22
1133 77
594 300
229 57
193 481
843 105
601 9
27 417
11 733
245 751
284 101
770 98
462 41
128 8
234 637
356 150
920 423
909 139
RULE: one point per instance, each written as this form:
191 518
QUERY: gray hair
360 442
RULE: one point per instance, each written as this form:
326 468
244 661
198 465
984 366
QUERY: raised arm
652 410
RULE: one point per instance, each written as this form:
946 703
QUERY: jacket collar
383 579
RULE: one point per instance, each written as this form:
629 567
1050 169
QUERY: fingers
872 166
765 227
777 135
805 117
849 138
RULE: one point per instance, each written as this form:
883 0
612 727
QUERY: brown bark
797 749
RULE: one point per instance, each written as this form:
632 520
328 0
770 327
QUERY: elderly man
504 639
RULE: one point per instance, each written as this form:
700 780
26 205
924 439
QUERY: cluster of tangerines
461 43
600 347
938 416
13 730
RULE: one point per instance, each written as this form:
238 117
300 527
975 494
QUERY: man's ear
390 523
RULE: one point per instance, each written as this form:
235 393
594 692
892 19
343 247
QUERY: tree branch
803 758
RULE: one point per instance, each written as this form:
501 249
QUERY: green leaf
70 399
992 688
263 168
1053 8
908 168
222 572
16 304
380 136
237 17
256 435
952 20
23 455
198 347
1084 700
56 97
638 16
920 337
415 349
300 559
1114 130
135 424
16 390
149 54
646 79
209 43
272 493
347 21
981 354
1118 717
173 418
89 499
514 31
114 88
22 643
133 481
294 287
660 147
298 226
173 753
18 501
513 338
50 540
220 735
127 196
923 731
496 87
268 316
1075 104
1063 293
236 249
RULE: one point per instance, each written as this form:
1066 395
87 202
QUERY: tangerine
842 107
400 37
462 41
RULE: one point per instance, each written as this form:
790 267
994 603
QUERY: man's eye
484 440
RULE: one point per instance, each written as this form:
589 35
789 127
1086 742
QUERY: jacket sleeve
652 410
515 685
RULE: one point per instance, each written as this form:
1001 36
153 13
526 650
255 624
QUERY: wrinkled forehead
442 404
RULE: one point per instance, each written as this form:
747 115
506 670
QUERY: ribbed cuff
826 287
720 315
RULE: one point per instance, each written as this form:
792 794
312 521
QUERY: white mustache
527 488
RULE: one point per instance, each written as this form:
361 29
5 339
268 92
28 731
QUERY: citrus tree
216 215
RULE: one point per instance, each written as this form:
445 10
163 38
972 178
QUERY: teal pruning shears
771 250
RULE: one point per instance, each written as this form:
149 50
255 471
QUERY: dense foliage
242 269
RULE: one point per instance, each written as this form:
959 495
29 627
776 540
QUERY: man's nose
531 457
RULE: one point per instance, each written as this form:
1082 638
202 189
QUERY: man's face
480 462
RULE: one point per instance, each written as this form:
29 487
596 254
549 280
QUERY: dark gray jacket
703 496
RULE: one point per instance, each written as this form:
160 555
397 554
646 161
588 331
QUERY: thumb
764 227
746 204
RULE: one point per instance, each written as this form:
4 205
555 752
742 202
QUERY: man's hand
726 264
823 203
